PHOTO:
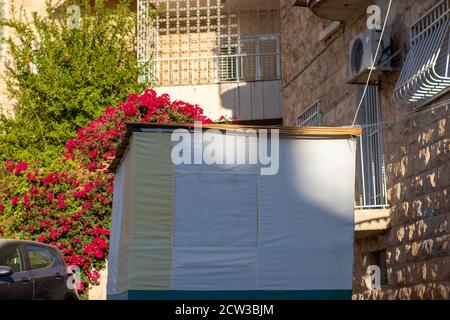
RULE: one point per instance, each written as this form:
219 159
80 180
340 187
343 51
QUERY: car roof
7 241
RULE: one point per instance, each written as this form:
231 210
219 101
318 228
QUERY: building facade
403 179
306 61
221 54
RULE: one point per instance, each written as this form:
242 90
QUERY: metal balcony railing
215 69
371 189
426 71
256 58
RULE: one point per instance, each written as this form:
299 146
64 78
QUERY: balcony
371 222
249 59
336 10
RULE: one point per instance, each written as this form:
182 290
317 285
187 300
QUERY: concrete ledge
330 30
372 220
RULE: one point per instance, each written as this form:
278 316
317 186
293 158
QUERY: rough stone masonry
416 150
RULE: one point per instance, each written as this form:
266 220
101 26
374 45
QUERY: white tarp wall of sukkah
226 231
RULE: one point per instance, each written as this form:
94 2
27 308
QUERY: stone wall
98 292
417 150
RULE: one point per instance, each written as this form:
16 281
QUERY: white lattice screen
147 38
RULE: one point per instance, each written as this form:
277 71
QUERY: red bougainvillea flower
94 275
14 201
9 166
50 197
95 144
60 203
21 166
71 208
26 201
51 178
76 240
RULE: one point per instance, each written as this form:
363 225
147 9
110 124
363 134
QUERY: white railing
371 189
255 58
426 70
371 170
215 69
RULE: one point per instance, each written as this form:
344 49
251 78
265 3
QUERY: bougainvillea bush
61 76
71 207
96 143
68 209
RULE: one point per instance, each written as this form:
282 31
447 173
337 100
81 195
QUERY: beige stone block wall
417 150
98 292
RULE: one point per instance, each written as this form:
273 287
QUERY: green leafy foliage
70 207
60 77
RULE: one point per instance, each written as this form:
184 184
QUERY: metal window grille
371 169
312 117
426 71
209 41
228 64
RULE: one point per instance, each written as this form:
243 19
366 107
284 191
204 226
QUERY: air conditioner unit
362 51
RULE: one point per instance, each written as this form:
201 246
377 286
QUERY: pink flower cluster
71 208
95 144
94 275
97 248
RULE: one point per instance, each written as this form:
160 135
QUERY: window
260 58
426 71
269 49
250 59
11 257
371 171
312 117
378 258
228 63
40 257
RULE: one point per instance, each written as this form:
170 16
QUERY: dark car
31 270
